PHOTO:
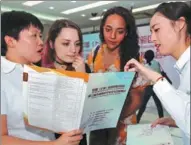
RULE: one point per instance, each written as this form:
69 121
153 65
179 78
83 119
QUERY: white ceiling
59 6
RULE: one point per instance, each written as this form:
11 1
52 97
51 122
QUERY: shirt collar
184 58
6 65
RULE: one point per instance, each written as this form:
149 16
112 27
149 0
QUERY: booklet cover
60 101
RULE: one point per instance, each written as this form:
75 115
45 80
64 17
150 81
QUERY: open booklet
61 101
143 134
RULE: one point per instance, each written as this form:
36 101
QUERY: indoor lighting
83 15
88 6
32 3
104 10
149 7
73 1
5 9
145 8
171 1
96 18
40 16
51 8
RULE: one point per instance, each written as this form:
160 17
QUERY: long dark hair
49 52
175 10
129 47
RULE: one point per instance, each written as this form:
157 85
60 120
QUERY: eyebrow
108 26
35 31
70 40
111 27
154 26
120 28
66 39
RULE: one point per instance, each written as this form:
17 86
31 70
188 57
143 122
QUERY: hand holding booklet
61 101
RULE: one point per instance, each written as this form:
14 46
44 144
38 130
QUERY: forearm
133 103
9 140
180 108
131 108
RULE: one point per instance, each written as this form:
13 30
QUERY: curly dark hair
129 47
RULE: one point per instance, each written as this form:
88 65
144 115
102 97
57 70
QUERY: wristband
161 77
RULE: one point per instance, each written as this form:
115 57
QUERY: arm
135 97
70 138
133 102
9 140
176 102
164 121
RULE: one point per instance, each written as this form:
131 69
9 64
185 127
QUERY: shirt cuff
161 87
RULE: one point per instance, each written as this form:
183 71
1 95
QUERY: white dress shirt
177 101
12 104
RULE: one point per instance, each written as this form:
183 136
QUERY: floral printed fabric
98 66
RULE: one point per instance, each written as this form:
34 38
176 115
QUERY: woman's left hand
79 64
135 66
164 121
